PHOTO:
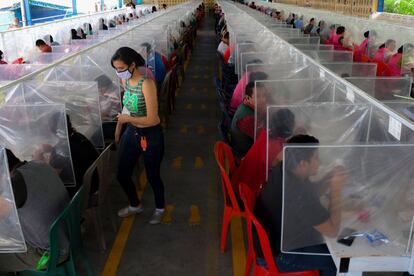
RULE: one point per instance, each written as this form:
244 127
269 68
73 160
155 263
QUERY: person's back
241 139
46 199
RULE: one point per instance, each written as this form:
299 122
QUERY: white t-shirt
222 48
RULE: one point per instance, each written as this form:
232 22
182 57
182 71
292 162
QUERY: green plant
399 6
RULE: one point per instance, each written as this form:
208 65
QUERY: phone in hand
345 237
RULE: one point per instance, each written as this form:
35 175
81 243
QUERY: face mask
124 75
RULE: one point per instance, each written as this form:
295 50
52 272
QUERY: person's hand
117 134
123 118
338 178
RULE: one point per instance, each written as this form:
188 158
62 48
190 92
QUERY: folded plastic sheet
289 92
38 132
330 56
11 235
81 100
314 47
354 188
384 88
352 69
11 72
108 87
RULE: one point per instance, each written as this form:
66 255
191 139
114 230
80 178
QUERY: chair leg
249 262
225 227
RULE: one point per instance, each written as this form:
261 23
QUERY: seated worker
252 170
102 25
237 97
395 61
43 47
155 58
82 151
224 44
74 34
81 33
154 9
310 26
307 218
2 61
340 32
49 40
342 45
384 51
242 125
40 197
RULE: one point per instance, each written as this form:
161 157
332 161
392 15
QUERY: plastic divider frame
11 235
385 88
352 69
314 47
366 188
81 100
407 61
252 47
109 90
347 124
38 132
330 56
289 92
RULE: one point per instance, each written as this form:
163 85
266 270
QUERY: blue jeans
129 152
299 262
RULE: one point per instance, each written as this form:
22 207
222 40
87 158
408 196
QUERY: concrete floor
191 179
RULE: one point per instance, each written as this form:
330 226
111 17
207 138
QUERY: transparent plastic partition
289 92
330 56
81 100
407 63
67 48
107 84
384 88
11 235
352 69
353 188
303 40
382 52
45 58
314 47
38 132
11 72
23 39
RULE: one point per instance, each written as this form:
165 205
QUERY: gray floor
179 248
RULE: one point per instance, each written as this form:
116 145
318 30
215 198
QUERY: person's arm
330 227
246 125
150 94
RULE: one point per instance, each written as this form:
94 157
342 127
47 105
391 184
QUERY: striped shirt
134 99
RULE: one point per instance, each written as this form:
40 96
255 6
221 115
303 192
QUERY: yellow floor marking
206 76
177 162
189 106
114 258
201 130
195 218
238 248
199 163
167 217
196 76
203 107
184 129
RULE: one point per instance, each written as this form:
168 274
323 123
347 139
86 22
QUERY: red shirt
252 169
227 54
3 62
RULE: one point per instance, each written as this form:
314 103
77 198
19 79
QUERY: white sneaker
129 211
157 216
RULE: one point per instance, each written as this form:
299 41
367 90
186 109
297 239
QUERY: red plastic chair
224 154
248 198
383 70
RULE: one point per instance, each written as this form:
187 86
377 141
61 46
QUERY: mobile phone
345 237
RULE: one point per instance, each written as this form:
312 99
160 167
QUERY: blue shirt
160 70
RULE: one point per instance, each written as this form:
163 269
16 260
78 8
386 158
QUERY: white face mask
124 75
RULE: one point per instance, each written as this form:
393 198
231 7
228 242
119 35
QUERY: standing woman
143 134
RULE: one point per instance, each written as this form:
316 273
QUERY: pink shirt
238 93
394 66
381 54
147 72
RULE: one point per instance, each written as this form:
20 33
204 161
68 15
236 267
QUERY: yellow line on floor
114 258
195 217
238 248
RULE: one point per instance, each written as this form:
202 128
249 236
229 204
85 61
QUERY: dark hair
340 30
128 56
103 81
258 76
226 35
249 89
281 123
401 49
40 42
381 46
294 156
12 160
154 8
1 54
312 19
366 34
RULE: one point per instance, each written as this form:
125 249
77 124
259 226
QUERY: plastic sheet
330 56
38 132
11 235
352 69
45 58
81 100
11 72
314 47
384 88
289 92
303 40
348 187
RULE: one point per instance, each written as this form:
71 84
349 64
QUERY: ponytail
128 56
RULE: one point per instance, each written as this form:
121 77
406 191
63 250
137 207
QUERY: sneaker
129 211
157 216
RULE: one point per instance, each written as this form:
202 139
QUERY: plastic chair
248 198
105 171
223 155
69 220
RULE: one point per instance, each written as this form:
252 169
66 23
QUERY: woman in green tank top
143 134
